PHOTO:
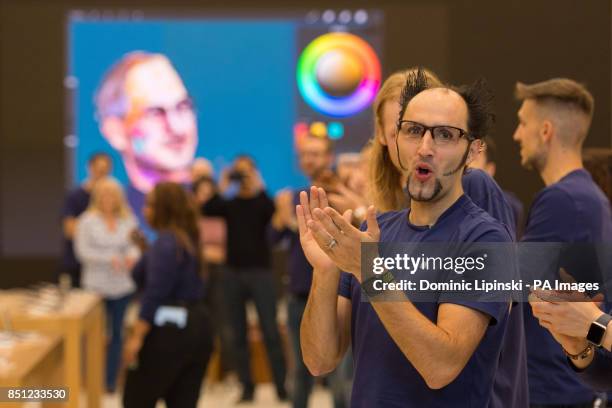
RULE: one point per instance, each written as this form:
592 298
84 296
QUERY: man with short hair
316 157
409 354
99 166
554 120
248 273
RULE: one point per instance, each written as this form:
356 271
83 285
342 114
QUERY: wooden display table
81 317
32 362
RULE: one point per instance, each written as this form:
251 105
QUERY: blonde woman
107 254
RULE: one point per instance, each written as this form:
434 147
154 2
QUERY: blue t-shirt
166 273
383 377
75 204
136 200
510 388
484 191
573 210
518 210
300 271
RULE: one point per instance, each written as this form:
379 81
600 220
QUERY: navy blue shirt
136 199
510 388
75 204
518 210
573 210
300 271
599 373
484 191
167 274
383 377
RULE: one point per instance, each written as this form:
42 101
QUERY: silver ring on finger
332 243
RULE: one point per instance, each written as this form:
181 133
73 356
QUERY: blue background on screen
241 74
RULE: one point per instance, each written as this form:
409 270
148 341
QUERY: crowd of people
426 176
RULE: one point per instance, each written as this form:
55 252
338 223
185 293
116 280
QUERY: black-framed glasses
441 135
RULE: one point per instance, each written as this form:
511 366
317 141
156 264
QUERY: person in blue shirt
486 162
315 155
570 322
168 350
387 181
554 120
76 202
409 354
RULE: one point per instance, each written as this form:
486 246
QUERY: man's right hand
315 255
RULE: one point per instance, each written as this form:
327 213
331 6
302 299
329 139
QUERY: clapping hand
338 241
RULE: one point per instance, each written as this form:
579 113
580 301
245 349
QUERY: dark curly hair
479 98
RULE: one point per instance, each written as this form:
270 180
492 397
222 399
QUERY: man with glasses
554 120
146 114
426 354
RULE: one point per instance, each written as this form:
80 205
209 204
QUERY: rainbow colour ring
339 58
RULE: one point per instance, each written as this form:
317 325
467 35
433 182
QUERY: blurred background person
201 167
213 237
352 191
76 202
104 248
247 210
571 212
486 161
347 163
147 115
316 157
170 345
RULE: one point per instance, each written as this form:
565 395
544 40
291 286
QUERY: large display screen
155 91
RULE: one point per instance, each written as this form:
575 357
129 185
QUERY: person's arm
325 327
438 351
69 227
284 214
283 222
570 314
569 321
134 343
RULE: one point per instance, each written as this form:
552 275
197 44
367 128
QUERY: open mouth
423 171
